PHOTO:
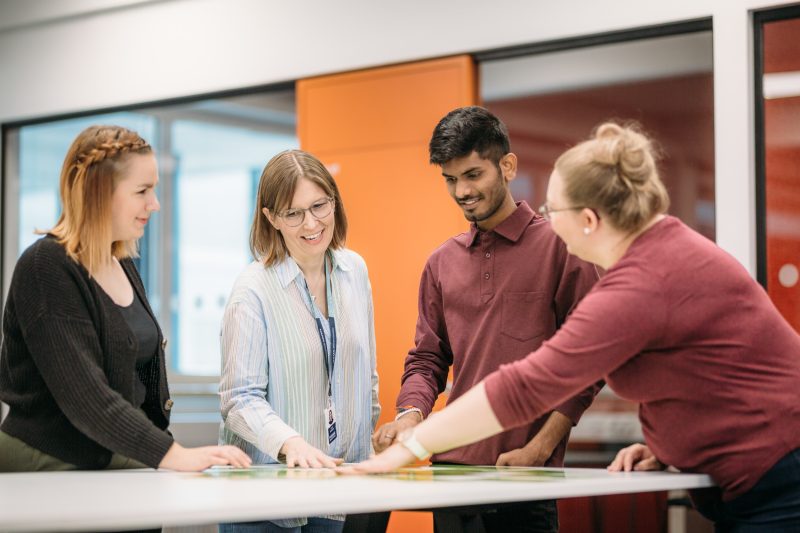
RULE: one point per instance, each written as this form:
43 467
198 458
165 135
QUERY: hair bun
627 149
615 173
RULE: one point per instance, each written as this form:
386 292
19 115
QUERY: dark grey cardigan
68 366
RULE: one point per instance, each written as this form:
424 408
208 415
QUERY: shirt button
488 255
486 276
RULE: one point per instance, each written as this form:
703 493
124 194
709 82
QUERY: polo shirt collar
511 228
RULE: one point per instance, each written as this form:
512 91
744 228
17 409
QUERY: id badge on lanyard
329 411
330 416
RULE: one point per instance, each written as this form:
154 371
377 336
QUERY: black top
68 366
146 334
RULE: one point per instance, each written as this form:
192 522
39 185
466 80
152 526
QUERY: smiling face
311 239
480 188
134 197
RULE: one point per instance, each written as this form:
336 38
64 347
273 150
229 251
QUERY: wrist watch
410 442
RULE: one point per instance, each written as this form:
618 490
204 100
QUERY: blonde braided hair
93 166
110 150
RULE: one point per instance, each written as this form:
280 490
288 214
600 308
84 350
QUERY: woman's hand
635 457
300 453
396 456
196 459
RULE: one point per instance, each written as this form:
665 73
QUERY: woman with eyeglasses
299 381
676 324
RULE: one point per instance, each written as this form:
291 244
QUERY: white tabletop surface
145 498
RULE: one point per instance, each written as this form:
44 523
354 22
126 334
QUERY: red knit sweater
680 327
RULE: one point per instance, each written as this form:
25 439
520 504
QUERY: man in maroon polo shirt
487 297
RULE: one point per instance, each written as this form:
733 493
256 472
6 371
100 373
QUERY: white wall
22 13
149 51
171 49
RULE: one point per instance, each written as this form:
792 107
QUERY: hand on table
386 435
196 459
396 456
533 454
300 453
635 457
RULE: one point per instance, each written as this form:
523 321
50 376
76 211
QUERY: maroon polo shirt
486 299
679 326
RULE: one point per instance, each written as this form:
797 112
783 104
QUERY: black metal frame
584 41
759 19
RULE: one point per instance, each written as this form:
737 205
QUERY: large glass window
216 175
210 155
551 101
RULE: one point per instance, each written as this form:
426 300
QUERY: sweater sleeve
64 350
64 344
577 279
622 316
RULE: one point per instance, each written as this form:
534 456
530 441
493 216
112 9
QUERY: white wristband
411 444
409 410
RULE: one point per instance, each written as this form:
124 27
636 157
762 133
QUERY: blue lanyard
332 324
328 369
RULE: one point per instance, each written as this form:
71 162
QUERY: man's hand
533 454
635 457
541 446
300 453
386 435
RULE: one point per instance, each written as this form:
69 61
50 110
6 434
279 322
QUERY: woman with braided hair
82 364
676 324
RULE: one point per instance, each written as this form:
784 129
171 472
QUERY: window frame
760 18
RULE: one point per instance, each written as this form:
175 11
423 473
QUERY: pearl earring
586 231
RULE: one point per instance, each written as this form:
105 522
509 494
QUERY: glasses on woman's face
545 210
319 209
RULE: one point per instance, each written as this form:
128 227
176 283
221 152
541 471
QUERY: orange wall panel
399 212
385 106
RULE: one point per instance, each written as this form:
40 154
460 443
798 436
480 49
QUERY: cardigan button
168 404
163 344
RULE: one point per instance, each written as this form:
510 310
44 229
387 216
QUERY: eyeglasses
320 209
545 210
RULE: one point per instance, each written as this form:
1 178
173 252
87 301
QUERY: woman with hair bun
82 365
676 324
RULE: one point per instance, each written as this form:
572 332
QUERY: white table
134 499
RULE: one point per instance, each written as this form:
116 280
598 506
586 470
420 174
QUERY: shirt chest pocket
526 315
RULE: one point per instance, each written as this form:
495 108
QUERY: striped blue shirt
274 383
